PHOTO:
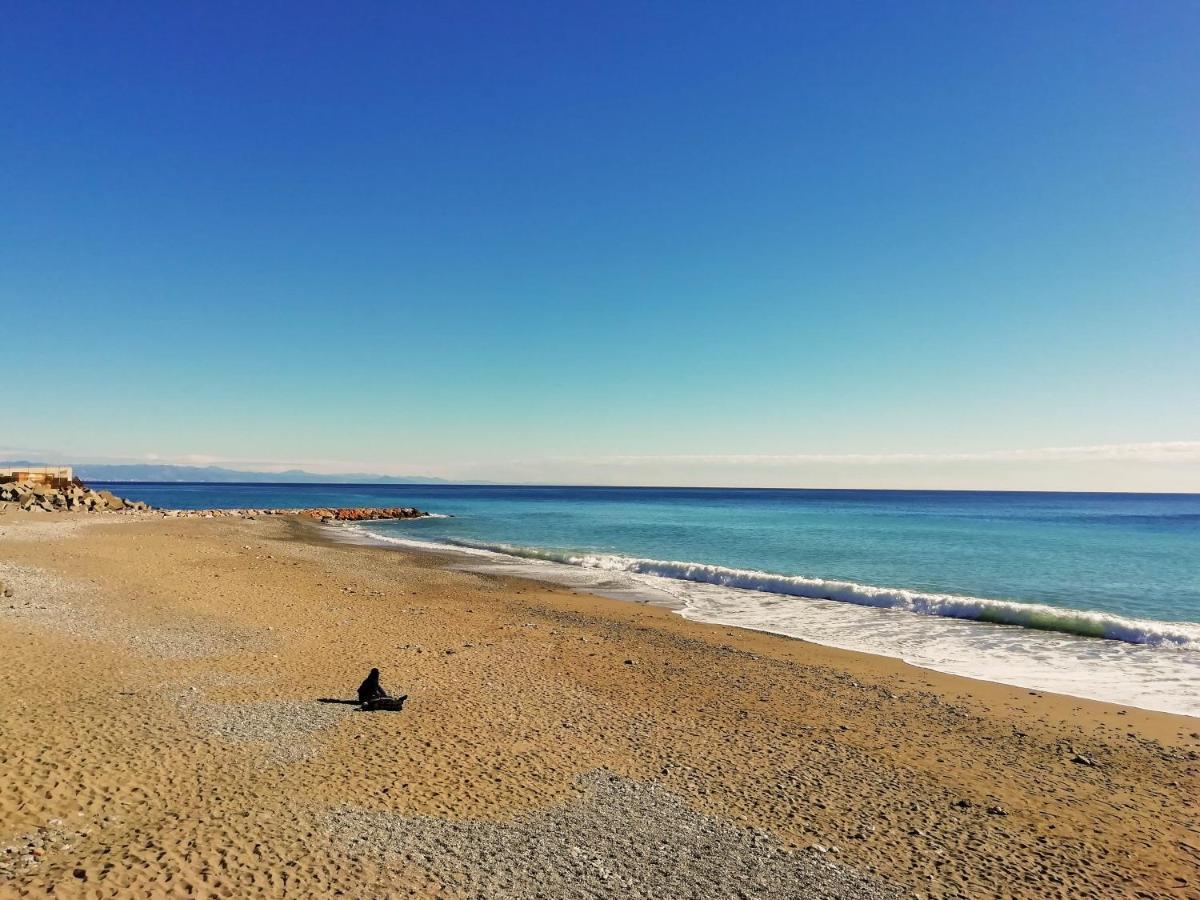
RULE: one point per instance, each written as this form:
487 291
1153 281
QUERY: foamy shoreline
1108 668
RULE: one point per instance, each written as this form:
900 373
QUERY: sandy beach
162 733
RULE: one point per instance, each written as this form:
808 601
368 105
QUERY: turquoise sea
1096 595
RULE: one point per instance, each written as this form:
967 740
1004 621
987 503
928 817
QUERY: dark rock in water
385 704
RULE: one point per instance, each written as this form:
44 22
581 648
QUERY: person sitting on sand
371 689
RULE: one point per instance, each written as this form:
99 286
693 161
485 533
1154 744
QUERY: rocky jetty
366 513
36 497
25 496
323 514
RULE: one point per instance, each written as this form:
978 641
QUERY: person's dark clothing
371 689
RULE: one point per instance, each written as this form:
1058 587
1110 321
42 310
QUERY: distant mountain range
155 472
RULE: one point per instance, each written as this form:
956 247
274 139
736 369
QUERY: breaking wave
1039 616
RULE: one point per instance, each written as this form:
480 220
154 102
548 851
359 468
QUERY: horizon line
447 483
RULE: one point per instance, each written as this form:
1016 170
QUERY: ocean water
1095 595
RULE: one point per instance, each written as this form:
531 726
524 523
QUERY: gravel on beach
622 838
281 728
34 596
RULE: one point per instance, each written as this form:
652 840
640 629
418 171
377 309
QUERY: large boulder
17 491
111 500
36 497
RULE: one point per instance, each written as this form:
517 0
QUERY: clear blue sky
520 240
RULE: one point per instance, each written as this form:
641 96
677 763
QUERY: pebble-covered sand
162 732
619 838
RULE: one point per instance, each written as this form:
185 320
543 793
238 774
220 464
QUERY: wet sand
161 734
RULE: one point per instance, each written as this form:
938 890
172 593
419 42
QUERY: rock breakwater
322 514
24 496
366 513
28 496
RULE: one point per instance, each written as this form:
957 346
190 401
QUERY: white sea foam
1146 663
1083 623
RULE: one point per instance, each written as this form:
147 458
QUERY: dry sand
160 734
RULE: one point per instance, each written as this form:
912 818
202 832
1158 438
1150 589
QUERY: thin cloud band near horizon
1142 452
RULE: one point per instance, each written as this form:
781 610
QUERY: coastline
938 784
1108 669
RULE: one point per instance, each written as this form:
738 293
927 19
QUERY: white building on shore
37 474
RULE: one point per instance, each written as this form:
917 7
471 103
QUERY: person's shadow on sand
380 704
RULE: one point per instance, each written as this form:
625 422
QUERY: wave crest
1040 616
